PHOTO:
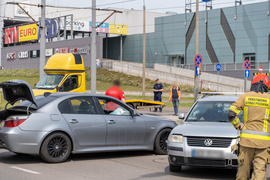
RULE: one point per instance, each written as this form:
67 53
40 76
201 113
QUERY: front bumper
182 155
19 141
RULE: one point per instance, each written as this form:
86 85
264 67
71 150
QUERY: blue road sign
198 60
247 73
206 0
218 67
197 70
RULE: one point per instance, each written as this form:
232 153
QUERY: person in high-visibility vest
175 94
255 130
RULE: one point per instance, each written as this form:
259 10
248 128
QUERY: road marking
25 170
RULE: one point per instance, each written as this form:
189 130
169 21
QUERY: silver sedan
55 125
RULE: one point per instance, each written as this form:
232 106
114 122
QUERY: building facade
229 36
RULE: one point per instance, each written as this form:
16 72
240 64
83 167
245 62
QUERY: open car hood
15 90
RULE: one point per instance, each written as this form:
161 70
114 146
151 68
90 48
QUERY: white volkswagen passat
205 136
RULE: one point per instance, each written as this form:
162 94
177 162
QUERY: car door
88 127
123 129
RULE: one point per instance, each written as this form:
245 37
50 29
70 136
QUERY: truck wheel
174 168
56 148
161 141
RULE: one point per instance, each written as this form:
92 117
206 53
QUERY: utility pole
196 78
2 6
143 70
93 49
42 40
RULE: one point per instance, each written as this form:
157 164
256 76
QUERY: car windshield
49 81
211 111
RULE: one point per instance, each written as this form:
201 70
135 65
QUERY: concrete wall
170 74
33 63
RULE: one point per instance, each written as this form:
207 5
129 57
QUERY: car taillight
14 121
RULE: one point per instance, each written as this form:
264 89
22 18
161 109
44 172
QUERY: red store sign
11 56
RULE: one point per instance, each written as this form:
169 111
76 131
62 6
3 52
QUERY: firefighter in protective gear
255 130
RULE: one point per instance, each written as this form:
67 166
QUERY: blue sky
152 5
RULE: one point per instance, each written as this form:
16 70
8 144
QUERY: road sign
197 70
247 73
206 0
261 69
198 60
218 67
247 65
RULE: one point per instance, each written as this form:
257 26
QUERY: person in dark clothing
158 88
175 94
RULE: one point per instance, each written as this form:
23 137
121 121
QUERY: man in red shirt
117 93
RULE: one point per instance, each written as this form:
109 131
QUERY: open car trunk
15 90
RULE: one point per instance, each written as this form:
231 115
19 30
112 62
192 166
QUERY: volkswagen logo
208 142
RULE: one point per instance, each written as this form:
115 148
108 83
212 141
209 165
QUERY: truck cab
64 73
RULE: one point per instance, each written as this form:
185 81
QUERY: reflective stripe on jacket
255 107
171 93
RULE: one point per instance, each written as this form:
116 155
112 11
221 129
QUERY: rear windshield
40 100
211 111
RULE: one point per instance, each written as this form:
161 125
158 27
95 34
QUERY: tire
161 141
56 148
174 168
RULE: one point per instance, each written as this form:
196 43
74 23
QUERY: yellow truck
66 73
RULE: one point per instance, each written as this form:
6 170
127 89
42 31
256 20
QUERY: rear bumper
16 140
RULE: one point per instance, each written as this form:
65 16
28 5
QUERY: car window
113 108
211 111
77 105
70 83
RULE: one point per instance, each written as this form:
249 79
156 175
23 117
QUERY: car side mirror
57 89
181 116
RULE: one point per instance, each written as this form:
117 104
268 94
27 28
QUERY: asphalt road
103 166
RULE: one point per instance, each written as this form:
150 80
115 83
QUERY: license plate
207 154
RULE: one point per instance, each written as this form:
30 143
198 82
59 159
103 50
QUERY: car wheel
56 148
161 141
174 168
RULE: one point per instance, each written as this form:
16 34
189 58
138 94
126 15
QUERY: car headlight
176 138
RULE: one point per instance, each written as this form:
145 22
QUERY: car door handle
73 121
111 122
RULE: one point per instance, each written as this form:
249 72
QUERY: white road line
25 170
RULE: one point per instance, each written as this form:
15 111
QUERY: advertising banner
118 29
104 28
61 50
49 52
11 56
28 32
23 55
18 12
34 53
